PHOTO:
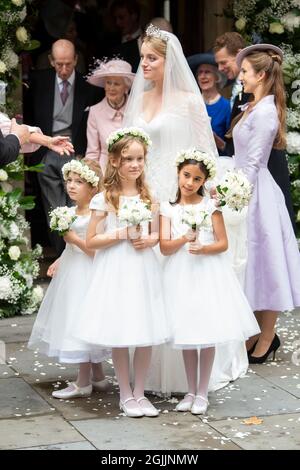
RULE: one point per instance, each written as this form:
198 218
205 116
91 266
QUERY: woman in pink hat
105 117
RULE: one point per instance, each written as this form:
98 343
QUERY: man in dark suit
58 102
11 144
226 49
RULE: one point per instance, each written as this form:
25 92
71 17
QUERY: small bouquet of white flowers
234 190
194 217
61 219
135 212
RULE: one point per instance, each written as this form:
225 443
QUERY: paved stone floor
31 419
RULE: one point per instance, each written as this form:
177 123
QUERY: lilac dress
273 268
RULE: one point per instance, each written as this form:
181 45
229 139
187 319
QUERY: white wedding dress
182 123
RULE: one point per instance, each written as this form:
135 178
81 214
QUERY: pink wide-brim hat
112 68
257 48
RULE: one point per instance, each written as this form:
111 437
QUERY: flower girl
203 296
71 276
124 303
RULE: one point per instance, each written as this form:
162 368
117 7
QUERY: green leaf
27 202
14 195
31 45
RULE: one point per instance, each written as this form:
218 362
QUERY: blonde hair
270 63
112 178
157 44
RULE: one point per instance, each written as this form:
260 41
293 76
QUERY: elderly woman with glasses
211 81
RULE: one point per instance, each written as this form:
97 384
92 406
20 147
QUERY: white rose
37 294
276 28
14 231
293 142
240 24
14 252
3 175
3 67
22 34
18 3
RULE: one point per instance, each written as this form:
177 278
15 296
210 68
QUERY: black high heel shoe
273 348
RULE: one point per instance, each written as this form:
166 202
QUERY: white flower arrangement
127 131
61 219
134 212
76 166
195 154
293 143
234 190
194 217
3 175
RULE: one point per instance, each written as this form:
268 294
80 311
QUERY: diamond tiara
156 33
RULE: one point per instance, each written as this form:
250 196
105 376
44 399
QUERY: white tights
198 370
141 363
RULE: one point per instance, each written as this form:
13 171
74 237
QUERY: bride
166 102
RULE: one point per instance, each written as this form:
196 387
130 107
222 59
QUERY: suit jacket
277 163
9 149
39 105
130 52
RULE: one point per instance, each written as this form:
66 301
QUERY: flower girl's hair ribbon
200 156
128 131
85 172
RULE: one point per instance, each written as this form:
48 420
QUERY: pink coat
5 124
102 120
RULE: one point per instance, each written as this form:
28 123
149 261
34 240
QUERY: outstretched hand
62 145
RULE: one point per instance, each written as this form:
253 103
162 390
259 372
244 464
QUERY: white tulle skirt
124 305
52 330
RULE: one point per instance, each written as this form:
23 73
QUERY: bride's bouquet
61 219
135 212
234 190
195 217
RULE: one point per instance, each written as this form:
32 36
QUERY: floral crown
127 131
156 32
76 166
199 156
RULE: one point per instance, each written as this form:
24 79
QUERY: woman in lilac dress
273 267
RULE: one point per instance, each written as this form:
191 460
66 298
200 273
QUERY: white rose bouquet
234 190
134 213
61 220
194 217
